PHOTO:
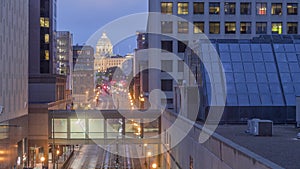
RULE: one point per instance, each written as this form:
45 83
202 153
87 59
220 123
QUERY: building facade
64 59
13 82
217 20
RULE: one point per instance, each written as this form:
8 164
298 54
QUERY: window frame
261 24
228 4
246 32
243 4
214 6
202 24
214 26
274 8
261 7
166 11
295 12
184 9
230 24
198 8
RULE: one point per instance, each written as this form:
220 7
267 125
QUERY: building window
44 22
182 46
180 66
230 27
292 28
276 9
245 28
183 27
167 65
229 8
166 27
261 8
167 46
198 7
214 8
214 27
276 28
47 56
261 27
166 7
198 27
46 38
166 85
245 8
183 8
292 9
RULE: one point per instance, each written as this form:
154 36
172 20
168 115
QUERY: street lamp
42 160
154 165
149 155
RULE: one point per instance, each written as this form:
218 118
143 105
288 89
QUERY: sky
84 17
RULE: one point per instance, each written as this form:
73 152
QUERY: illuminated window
214 27
47 55
198 27
183 27
229 8
167 7
42 22
292 8
245 28
230 27
276 28
261 8
166 27
214 8
47 24
46 38
183 8
276 9
292 28
198 7
261 27
245 8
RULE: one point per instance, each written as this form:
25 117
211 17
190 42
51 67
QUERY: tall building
13 82
83 76
46 89
217 20
64 59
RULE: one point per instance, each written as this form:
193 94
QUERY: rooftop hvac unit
262 127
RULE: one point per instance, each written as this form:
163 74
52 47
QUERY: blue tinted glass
227 67
250 77
273 78
270 67
259 67
275 88
288 88
257 57
266 99
245 47
297 46
231 88
283 67
281 57
262 77
277 99
294 67
292 57
263 88
296 77
268 57
254 100
225 56
289 47
252 88
237 67
232 99
241 88
290 99
255 48
239 77
229 77
243 100
236 57
234 47
297 88
248 67
266 47
285 77
247 57
278 48
223 47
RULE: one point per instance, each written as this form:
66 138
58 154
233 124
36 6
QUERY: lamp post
57 153
149 155
42 160
154 165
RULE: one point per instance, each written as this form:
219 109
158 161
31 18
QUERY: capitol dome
104 47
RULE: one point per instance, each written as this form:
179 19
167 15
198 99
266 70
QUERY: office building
13 82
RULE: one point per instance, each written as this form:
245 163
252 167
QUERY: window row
229 8
230 27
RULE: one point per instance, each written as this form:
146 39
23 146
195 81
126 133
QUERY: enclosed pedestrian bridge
70 127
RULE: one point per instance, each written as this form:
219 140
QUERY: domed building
104 48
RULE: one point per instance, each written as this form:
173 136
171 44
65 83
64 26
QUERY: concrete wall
216 153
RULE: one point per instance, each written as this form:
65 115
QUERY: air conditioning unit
262 128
